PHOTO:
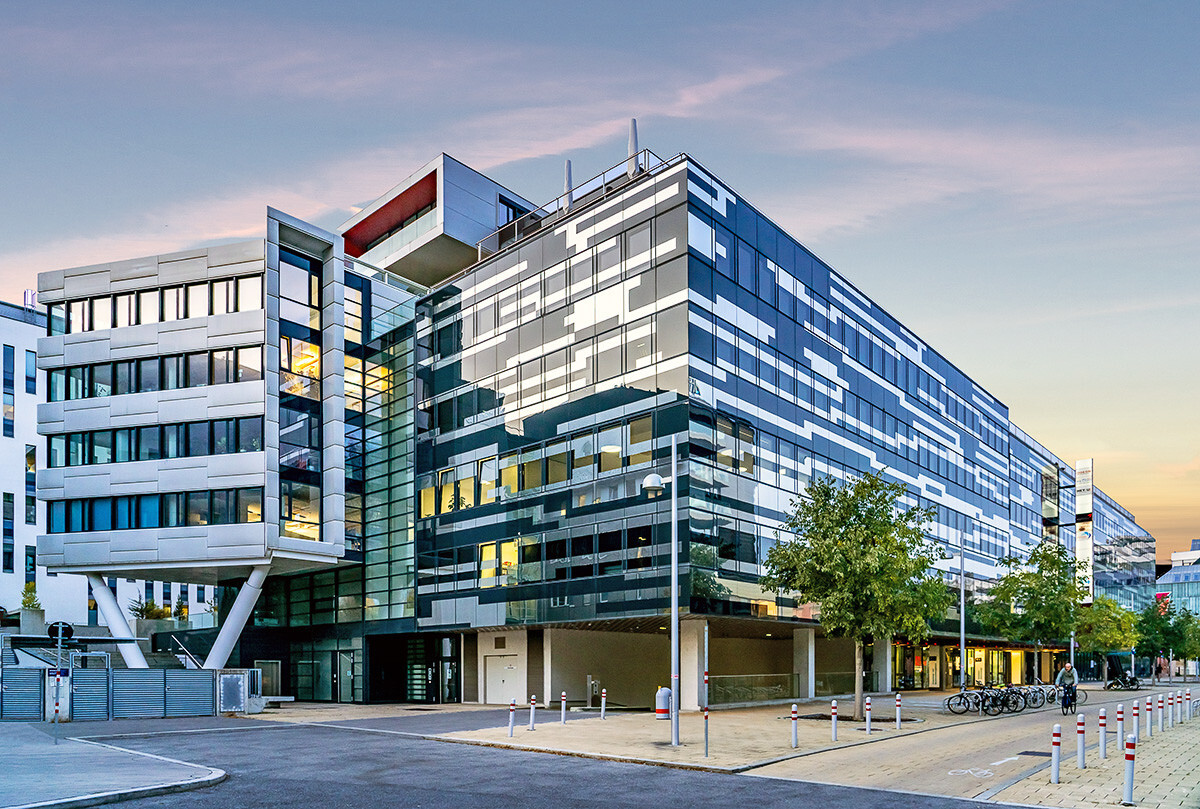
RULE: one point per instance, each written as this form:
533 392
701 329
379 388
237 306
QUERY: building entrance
414 668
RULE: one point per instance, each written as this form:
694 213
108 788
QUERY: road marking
1004 760
972 771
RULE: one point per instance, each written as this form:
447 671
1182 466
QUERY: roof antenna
567 186
632 168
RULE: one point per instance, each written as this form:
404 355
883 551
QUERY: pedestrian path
1166 775
38 772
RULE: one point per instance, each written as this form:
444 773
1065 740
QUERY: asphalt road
338 766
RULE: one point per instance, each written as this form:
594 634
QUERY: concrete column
882 663
691 664
804 661
235 621
549 638
106 602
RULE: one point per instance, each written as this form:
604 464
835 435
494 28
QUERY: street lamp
653 485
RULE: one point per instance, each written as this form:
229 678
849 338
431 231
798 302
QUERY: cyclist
1067 678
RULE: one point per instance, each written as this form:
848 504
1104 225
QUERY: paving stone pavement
1166 775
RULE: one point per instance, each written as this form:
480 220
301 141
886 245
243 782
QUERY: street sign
60 630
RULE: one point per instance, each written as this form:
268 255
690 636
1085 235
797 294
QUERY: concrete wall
510 644
630 665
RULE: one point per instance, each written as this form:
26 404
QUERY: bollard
1120 725
1170 710
795 726
1179 707
1160 713
706 731
1149 717
1130 749
512 716
1103 733
603 701
532 708
1080 742
563 712
1187 695
868 716
897 712
1055 745
1137 721
833 718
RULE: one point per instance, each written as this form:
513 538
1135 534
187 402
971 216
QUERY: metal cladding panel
89 694
138 693
191 692
233 692
21 695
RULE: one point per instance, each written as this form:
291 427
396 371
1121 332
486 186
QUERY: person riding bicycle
1067 678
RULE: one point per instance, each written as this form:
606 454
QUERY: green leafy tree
29 597
1036 600
1105 626
1160 631
1189 635
865 563
148 610
181 609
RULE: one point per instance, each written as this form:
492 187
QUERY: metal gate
190 692
138 693
89 694
21 693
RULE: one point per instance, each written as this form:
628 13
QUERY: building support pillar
235 621
882 664
804 661
691 664
106 602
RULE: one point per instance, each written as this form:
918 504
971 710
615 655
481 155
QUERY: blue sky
1019 182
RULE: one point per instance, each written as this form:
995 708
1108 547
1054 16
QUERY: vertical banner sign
1083 522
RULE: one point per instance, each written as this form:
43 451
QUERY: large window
218 297
299 289
181 440
300 509
217 507
171 372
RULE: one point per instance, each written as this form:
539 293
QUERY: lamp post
653 485
962 611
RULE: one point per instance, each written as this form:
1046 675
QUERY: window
249 364
172 304
102 313
223 297
222 367
197 368
80 316
299 289
222 509
148 375
102 446
249 505
122 378
31 372
197 300
249 293
197 439
149 447
102 380
197 508
10 372
56 319
250 434
124 310
30 564
30 484
148 302
223 439
300 510
172 375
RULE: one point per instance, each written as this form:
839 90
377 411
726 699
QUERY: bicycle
1068 699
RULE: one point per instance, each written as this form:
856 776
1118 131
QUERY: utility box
63 678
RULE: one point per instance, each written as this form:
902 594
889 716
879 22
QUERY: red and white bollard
1187 696
532 709
563 712
512 716
1149 717
603 702
1170 710
1103 733
706 731
1080 742
1130 749
1055 753
833 718
1137 721
795 726
897 712
1160 713
868 716
1120 725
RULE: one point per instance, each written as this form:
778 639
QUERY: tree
29 598
1104 626
181 609
862 561
1189 636
1160 632
148 610
1036 600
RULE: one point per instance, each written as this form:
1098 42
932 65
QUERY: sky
1017 182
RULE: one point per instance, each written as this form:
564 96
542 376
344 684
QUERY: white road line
1004 760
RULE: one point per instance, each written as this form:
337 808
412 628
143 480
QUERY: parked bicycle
1123 682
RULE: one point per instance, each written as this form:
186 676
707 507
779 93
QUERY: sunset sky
1018 182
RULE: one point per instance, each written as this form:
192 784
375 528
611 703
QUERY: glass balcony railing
402 237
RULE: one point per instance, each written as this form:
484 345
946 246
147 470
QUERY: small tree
1036 600
1104 626
1189 636
148 610
1159 631
181 609
29 597
863 562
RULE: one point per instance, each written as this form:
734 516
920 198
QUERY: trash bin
662 703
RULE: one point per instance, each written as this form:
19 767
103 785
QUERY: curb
215 776
649 762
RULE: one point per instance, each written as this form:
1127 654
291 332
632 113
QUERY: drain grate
1037 753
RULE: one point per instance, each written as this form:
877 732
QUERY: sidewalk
1166 774
36 772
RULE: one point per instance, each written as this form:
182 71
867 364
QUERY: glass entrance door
343 677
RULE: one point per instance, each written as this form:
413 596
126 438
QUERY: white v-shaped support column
235 621
106 602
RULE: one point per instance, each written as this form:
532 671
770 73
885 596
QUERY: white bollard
1179 707
1137 721
1160 713
1080 742
1055 747
563 713
833 718
795 726
1187 695
706 731
1170 710
1120 725
868 716
1103 733
1130 749
512 716
603 701
532 708
897 712
1149 717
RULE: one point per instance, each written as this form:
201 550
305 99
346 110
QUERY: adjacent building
423 440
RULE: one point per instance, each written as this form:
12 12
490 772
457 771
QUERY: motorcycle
1123 682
